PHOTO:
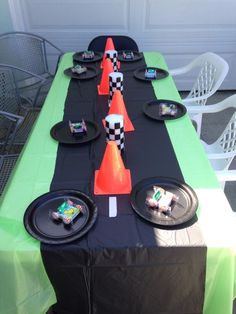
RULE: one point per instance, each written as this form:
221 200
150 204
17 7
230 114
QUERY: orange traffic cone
103 88
118 107
112 177
109 46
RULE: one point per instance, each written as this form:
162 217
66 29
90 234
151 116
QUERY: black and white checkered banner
115 82
114 124
113 56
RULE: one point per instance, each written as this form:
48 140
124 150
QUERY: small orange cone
109 46
112 177
118 107
103 88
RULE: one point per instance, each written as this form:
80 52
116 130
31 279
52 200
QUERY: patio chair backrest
227 140
213 70
9 98
120 42
7 163
24 50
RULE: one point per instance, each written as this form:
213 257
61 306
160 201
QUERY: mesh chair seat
7 163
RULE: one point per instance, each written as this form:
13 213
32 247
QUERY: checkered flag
114 124
115 82
113 56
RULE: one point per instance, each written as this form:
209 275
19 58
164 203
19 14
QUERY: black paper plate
38 221
151 109
61 133
182 211
77 57
140 74
89 74
137 56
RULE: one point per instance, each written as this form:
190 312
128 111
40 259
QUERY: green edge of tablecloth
25 296
19 253
198 173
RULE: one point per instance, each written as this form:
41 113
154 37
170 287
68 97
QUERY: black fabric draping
124 265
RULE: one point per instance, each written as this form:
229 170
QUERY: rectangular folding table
124 264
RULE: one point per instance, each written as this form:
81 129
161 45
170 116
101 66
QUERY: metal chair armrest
32 76
13 117
12 67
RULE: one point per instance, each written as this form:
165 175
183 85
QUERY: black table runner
124 264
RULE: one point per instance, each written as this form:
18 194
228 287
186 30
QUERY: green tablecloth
25 287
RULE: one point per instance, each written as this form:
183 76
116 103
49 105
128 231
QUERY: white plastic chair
228 175
213 70
223 150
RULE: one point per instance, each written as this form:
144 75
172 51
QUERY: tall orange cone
112 177
118 107
103 88
109 46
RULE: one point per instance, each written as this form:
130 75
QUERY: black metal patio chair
16 119
31 53
7 164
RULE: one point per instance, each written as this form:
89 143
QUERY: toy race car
161 200
78 69
167 109
78 127
88 55
67 212
128 55
150 74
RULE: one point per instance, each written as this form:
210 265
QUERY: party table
123 264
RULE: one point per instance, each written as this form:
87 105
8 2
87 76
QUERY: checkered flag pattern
113 56
115 82
114 124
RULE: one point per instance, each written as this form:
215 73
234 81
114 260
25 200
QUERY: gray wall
180 29
5 18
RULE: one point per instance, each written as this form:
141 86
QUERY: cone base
101 92
113 188
129 128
